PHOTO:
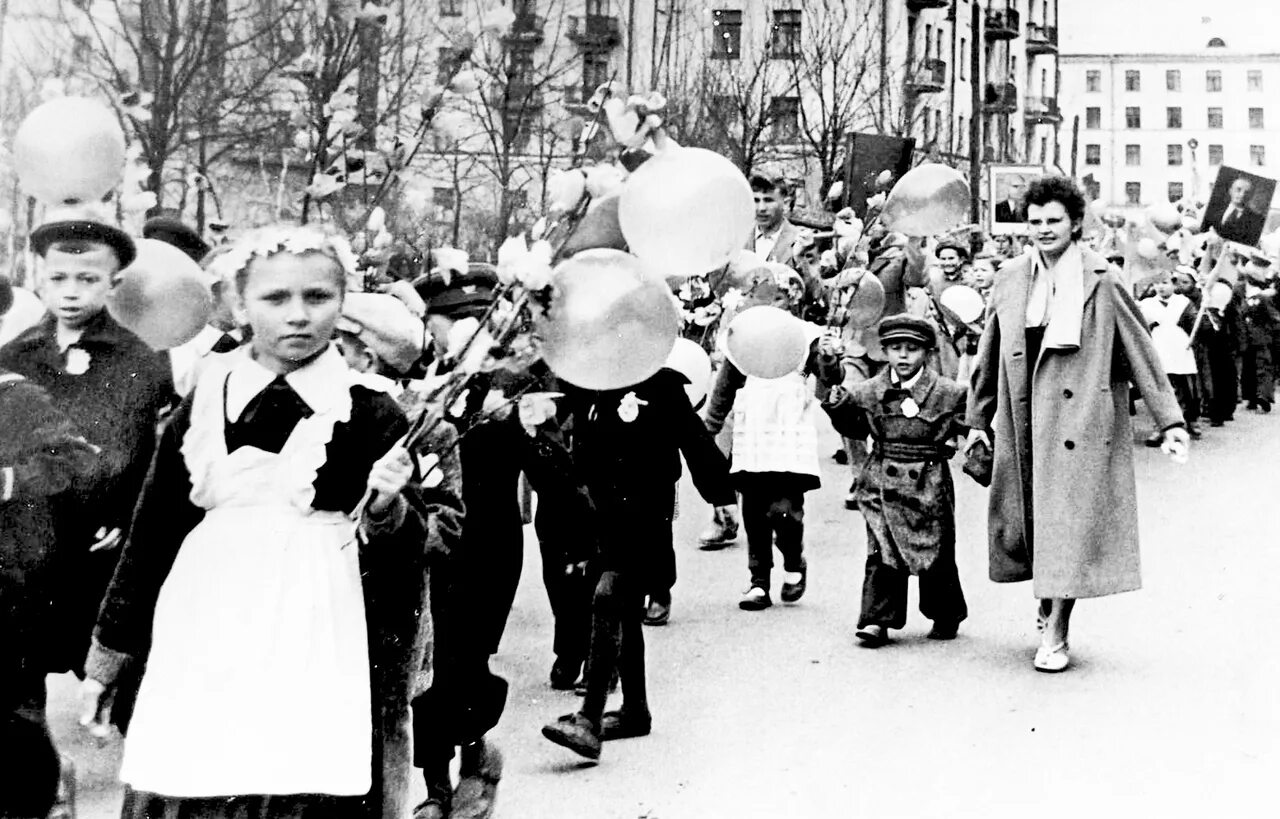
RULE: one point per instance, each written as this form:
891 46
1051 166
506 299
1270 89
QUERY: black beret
84 230
906 327
174 232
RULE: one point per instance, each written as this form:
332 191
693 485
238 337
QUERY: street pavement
1169 708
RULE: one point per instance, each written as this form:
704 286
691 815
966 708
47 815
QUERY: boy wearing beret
109 383
905 491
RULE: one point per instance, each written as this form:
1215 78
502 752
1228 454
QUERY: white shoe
1052 658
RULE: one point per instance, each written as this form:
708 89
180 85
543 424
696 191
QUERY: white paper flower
565 189
536 408
323 186
629 407
465 83
877 200
835 191
497 20
603 180
377 220
77 362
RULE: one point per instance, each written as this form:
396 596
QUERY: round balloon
928 200
965 302
1148 249
69 150
25 313
163 297
598 228
1220 295
690 360
866 303
686 211
611 323
766 342
1165 217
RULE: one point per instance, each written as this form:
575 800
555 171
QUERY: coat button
1066 393
1070 444
891 471
913 474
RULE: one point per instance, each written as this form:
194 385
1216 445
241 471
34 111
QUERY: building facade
1156 127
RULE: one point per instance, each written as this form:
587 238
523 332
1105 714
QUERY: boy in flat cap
905 491
1261 327
112 386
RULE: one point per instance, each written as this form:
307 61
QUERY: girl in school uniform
271 548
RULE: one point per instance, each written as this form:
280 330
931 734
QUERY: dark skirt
140 805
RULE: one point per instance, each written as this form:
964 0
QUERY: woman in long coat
1064 340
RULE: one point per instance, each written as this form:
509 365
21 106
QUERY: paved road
1170 708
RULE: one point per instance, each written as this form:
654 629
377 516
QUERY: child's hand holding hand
389 475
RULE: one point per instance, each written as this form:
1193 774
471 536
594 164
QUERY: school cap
174 232
906 327
462 294
79 224
385 325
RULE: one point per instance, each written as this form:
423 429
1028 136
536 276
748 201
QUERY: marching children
628 445
905 493
775 457
1261 327
112 386
40 455
269 552
1170 317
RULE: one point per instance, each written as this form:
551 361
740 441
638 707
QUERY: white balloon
689 359
964 301
69 150
686 211
766 342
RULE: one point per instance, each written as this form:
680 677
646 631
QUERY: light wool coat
1063 485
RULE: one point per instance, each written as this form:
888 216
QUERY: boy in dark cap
905 491
109 383
173 231
1261 327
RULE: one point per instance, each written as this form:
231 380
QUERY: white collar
910 382
321 383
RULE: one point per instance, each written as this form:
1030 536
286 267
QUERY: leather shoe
564 673
575 732
481 771
718 536
755 599
658 613
872 635
791 592
431 809
1155 439
943 630
623 725
1052 658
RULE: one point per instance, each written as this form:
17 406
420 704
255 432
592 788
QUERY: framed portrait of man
1006 193
1238 206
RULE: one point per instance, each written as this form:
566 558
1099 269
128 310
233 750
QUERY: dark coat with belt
41 453
904 491
1063 489
116 404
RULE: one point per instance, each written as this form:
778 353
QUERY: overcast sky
1112 26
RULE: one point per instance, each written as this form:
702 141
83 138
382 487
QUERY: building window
443 203
595 72
1215 155
784 40
1133 193
1093 118
924 122
1133 117
1213 81
726 34
1093 81
1255 80
1175 192
964 58
784 113
1093 154
928 40
1173 117
937 124
960 135
1133 155
1173 80
1175 154
450 8
1133 80
1215 117
1255 118
1258 155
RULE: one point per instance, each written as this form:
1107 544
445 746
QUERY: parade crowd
287 600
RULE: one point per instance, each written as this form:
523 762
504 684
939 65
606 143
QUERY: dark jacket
41 453
116 404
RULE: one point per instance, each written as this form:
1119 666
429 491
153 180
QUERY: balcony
526 28
594 32
1041 39
921 5
929 78
1042 110
1000 98
1003 24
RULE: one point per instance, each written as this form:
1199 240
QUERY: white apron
258 676
1172 344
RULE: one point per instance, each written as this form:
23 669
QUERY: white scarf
1056 298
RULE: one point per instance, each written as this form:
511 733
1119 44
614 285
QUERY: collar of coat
920 391
100 333
1014 282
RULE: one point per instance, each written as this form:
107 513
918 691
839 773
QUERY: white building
1156 127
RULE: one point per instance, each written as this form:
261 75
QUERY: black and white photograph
1238 206
638 409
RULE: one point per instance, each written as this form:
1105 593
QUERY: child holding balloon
271 555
